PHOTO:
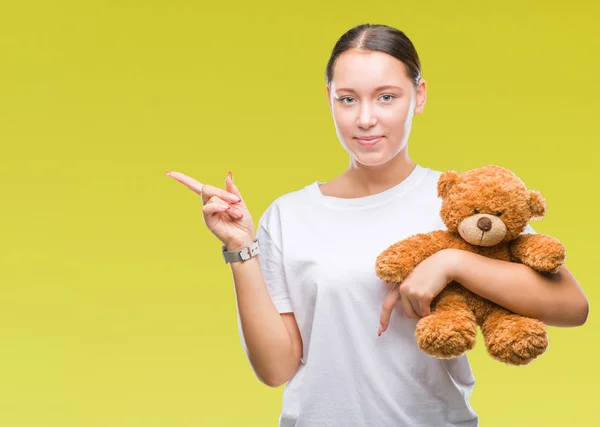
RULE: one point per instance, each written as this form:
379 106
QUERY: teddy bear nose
484 224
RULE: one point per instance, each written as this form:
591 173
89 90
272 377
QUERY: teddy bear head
487 205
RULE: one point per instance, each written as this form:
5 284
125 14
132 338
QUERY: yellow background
116 308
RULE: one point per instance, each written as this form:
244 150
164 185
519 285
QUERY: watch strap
243 254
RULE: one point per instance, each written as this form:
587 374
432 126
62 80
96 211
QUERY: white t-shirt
318 260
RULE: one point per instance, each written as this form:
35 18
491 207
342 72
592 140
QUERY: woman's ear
537 204
446 180
420 96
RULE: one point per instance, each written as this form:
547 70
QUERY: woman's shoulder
290 200
433 173
292 197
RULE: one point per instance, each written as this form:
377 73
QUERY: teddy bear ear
537 204
446 180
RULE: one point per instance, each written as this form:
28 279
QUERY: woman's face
362 107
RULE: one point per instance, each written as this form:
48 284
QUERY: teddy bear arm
543 253
395 263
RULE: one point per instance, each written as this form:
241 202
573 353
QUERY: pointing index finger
205 190
390 302
190 182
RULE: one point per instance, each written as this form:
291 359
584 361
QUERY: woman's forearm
556 299
272 352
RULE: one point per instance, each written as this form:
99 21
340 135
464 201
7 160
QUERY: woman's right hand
225 212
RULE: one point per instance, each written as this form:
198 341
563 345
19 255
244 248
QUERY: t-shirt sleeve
271 265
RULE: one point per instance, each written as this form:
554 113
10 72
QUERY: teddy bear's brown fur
485 210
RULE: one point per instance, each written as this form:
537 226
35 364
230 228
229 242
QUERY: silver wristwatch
243 254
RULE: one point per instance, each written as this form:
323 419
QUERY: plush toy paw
543 253
392 267
446 334
393 272
552 258
516 340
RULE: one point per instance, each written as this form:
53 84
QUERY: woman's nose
366 118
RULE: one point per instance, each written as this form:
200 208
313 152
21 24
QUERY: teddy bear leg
513 339
450 330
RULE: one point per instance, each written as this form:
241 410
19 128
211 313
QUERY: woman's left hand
417 291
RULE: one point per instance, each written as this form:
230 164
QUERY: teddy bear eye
476 211
498 213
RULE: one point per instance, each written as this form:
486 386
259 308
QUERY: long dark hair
382 38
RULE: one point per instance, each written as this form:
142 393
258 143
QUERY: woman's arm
273 340
556 299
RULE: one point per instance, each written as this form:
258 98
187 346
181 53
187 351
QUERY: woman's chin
371 159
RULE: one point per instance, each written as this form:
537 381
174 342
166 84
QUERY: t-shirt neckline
415 177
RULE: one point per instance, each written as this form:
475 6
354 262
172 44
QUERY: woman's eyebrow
376 89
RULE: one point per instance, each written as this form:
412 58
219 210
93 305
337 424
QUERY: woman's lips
370 141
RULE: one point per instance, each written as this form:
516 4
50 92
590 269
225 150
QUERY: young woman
310 306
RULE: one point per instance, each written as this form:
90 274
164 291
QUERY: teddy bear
485 211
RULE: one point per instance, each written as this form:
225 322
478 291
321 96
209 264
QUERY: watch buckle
244 254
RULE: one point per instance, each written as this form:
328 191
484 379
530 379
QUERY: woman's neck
361 180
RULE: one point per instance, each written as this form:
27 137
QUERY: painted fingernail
234 199
230 176
380 331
